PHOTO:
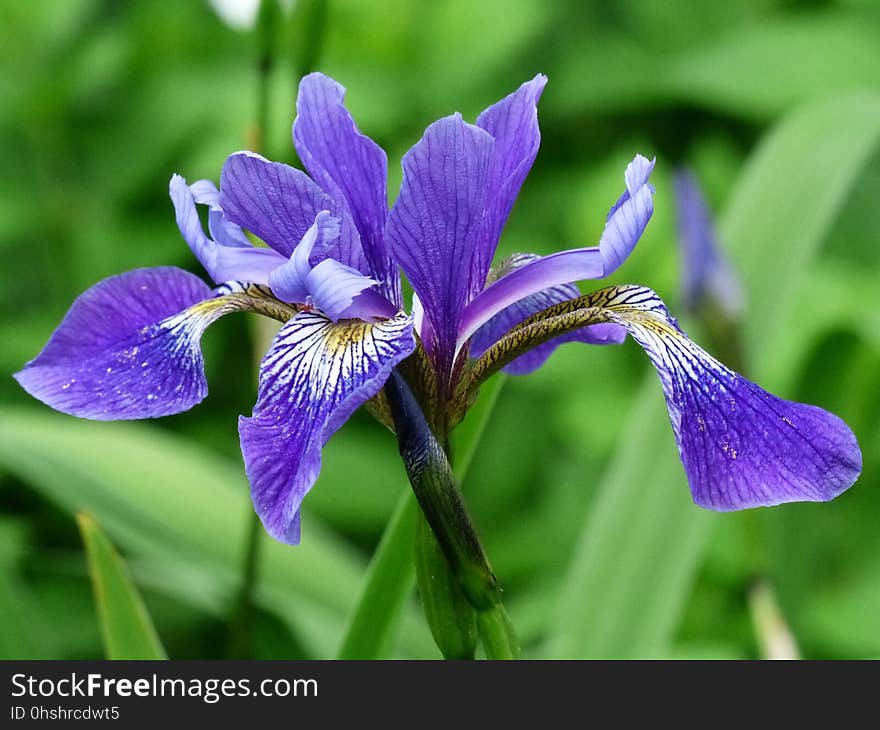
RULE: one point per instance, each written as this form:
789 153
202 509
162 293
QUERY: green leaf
163 498
642 541
759 70
126 627
386 586
751 70
390 577
786 200
25 632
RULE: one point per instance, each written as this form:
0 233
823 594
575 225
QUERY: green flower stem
314 22
433 483
389 578
431 478
497 634
450 615
239 633
239 625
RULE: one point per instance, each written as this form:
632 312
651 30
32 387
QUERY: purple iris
129 346
708 277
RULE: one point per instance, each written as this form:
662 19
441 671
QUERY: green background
575 489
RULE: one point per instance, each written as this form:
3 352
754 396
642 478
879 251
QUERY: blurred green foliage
575 487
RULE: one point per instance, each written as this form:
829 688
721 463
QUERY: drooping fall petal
315 375
740 445
128 348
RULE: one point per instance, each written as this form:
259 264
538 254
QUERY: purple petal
519 311
315 375
513 123
629 216
707 275
369 306
740 445
422 326
434 227
279 203
223 263
545 272
127 348
348 165
334 286
289 282
223 231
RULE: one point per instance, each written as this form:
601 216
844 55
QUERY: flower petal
128 348
223 263
564 267
522 309
334 286
707 275
513 123
289 281
434 227
348 165
629 216
740 445
279 203
223 231
315 375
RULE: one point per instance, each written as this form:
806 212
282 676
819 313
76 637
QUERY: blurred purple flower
707 276
129 346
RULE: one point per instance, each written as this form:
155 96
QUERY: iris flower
129 346
707 278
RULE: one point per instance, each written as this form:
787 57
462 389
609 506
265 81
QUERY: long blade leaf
126 626
642 541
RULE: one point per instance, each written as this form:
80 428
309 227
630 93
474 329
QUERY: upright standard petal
629 216
740 445
521 310
707 275
434 227
235 261
128 348
513 123
315 375
348 165
279 203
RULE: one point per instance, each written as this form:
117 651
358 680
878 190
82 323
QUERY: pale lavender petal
422 325
253 265
522 309
315 375
629 216
223 263
434 227
564 267
289 281
223 231
369 306
128 348
740 445
333 286
513 123
279 203
707 275
349 165
323 232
